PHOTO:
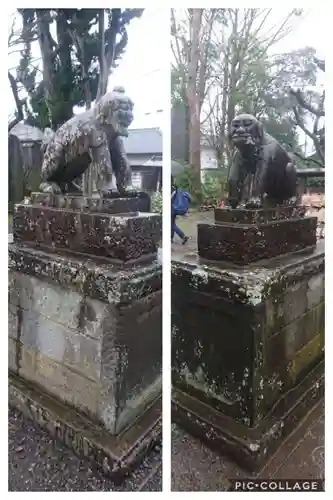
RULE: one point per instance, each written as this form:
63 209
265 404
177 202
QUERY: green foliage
67 75
177 87
282 129
157 202
315 182
264 88
292 70
214 186
185 179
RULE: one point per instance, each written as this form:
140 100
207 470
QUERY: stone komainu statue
92 138
261 169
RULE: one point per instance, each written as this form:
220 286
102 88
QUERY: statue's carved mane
89 138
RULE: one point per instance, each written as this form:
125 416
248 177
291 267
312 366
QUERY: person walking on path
180 204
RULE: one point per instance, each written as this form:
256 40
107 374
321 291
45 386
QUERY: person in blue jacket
180 204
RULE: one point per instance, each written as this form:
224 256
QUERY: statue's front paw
232 203
253 204
109 193
123 190
50 187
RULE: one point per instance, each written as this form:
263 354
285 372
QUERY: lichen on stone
90 139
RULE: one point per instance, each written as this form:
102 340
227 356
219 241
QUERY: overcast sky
142 70
309 31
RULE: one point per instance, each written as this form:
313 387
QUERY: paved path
189 225
37 463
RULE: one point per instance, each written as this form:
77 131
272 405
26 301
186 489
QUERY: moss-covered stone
235 330
245 243
115 456
98 347
307 355
85 294
121 237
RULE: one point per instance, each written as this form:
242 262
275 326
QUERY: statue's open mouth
123 129
241 135
243 138
124 121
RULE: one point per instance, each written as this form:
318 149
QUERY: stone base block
259 216
116 456
91 335
250 448
242 338
116 204
245 236
123 237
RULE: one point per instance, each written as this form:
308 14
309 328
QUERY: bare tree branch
320 63
304 104
18 102
313 137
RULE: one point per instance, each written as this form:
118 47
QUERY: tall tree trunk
223 113
44 39
103 76
107 57
193 98
233 75
64 51
187 132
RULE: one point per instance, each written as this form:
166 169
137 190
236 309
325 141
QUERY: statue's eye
247 123
236 124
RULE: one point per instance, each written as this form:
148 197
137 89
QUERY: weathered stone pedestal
244 236
85 323
248 340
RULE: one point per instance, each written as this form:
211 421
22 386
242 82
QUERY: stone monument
85 300
90 140
248 316
261 172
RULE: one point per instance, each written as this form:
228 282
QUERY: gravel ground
194 467
37 463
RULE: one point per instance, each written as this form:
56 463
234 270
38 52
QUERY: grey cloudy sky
143 68
310 30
